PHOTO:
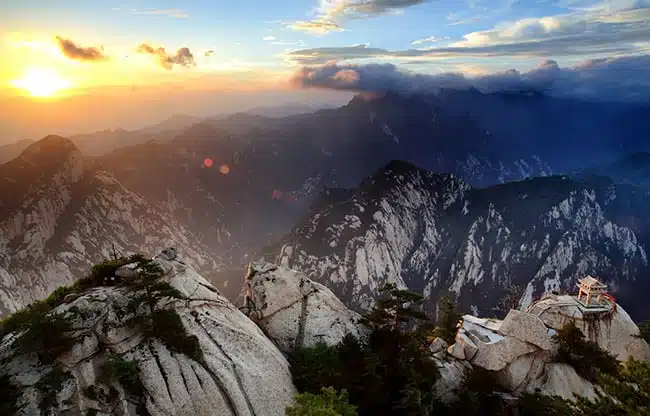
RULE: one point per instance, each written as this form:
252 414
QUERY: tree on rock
585 356
395 308
447 322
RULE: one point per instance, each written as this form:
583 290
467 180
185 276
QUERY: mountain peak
49 147
52 163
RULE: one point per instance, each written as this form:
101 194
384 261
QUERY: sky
153 53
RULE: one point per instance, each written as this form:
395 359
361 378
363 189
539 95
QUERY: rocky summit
520 349
213 361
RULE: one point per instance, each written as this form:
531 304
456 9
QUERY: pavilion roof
591 283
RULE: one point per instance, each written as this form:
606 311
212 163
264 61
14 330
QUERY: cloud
624 30
316 27
430 39
467 21
268 38
175 13
627 23
73 51
363 8
331 13
608 79
182 57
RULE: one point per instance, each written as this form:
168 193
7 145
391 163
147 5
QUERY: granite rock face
294 310
240 371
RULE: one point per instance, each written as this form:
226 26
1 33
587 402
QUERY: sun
41 82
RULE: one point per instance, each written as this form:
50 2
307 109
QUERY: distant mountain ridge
631 169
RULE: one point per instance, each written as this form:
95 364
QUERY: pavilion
590 288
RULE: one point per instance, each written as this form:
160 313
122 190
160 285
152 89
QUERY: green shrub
477 395
585 356
328 403
99 272
23 318
448 317
168 328
46 335
125 372
536 404
627 394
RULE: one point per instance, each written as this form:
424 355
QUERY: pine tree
448 317
395 309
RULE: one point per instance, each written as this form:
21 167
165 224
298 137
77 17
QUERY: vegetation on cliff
48 332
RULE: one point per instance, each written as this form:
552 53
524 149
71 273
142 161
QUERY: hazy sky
66 49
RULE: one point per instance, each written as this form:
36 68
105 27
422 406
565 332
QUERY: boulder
526 327
128 271
438 345
516 376
495 356
457 351
239 371
294 310
469 348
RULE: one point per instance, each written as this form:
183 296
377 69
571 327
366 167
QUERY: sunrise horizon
139 51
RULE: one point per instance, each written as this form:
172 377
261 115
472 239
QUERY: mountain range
225 188
436 235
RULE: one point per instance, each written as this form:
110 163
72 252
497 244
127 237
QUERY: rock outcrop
613 330
239 371
520 348
294 310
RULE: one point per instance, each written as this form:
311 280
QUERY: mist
136 107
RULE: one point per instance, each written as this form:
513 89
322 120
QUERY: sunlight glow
41 82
